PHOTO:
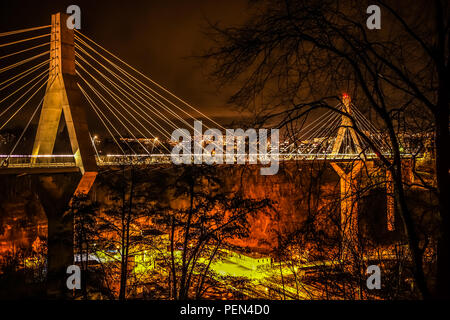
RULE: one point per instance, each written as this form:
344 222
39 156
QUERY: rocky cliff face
294 192
22 218
299 191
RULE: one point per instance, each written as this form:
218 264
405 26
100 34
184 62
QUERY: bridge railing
328 156
50 161
39 161
137 159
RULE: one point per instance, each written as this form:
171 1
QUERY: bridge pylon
348 183
63 96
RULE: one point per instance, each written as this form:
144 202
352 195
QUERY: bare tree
120 222
199 222
298 56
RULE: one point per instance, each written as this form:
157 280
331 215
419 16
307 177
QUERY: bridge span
75 75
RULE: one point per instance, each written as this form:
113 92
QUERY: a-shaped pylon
346 126
64 97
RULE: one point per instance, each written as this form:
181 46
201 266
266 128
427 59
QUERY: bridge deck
38 170
66 163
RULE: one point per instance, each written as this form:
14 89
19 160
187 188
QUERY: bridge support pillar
55 193
349 209
390 202
407 172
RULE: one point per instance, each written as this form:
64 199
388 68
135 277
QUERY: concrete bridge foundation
55 192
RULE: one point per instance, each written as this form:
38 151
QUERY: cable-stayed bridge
76 74
61 78
61 71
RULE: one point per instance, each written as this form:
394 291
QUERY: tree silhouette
200 222
294 57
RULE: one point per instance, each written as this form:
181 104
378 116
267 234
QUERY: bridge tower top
346 101
346 128
63 96
62 48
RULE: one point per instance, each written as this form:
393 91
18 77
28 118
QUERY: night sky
159 38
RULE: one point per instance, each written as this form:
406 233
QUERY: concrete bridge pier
349 209
55 192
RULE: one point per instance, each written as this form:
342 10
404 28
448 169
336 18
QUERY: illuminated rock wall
299 190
